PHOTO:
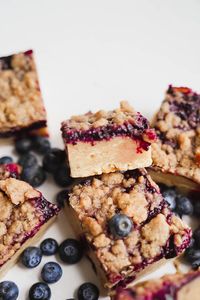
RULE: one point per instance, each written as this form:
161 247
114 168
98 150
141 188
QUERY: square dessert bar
9 170
105 142
21 105
176 154
173 287
126 223
24 215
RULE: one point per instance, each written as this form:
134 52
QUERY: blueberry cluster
53 161
181 204
70 251
192 253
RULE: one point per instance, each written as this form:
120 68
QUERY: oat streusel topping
20 215
177 123
21 104
134 194
103 118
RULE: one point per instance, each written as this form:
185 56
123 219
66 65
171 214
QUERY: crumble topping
134 194
18 191
123 121
177 124
21 104
21 215
102 118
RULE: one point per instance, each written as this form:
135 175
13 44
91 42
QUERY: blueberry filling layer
168 290
20 130
46 210
134 131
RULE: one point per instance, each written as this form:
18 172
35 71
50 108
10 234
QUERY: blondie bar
24 215
176 154
172 287
104 142
126 223
21 105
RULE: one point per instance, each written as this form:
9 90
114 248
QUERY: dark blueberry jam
188 108
48 209
23 130
13 169
28 52
134 131
168 290
5 63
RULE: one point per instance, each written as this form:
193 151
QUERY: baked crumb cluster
9 170
21 104
106 124
178 128
22 211
161 287
156 232
102 118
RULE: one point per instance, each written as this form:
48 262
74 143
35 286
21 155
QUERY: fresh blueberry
53 159
34 175
6 160
70 251
40 291
197 208
196 264
41 144
170 197
62 176
192 254
62 197
8 290
51 272
23 145
192 243
184 205
31 257
88 291
120 225
28 160
49 247
163 187
196 236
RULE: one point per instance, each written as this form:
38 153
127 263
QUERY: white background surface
90 55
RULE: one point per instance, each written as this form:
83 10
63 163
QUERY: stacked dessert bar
24 216
176 154
119 210
21 105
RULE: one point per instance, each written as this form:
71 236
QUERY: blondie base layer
126 223
9 170
24 216
172 287
104 142
176 154
21 105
